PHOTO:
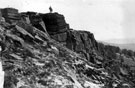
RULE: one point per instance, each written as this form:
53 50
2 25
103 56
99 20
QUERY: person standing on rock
51 10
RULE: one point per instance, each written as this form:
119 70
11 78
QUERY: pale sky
107 19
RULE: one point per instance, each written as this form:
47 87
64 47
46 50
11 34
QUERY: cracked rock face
41 51
30 62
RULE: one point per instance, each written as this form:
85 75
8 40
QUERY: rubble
51 55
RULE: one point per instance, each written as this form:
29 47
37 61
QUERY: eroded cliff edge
42 51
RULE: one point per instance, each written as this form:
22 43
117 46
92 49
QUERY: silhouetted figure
51 10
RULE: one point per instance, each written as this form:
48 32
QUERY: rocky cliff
42 51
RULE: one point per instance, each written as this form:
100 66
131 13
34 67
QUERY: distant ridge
121 41
128 46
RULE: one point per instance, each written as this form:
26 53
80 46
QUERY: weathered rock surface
82 42
64 58
78 41
106 56
31 62
55 23
11 15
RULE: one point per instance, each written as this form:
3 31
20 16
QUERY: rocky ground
42 51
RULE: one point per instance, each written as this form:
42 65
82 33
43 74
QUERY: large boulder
34 19
55 23
11 15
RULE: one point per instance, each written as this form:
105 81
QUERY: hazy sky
107 19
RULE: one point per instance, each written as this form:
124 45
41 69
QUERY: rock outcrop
82 42
55 23
41 51
33 60
11 15
35 20
79 41
106 56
